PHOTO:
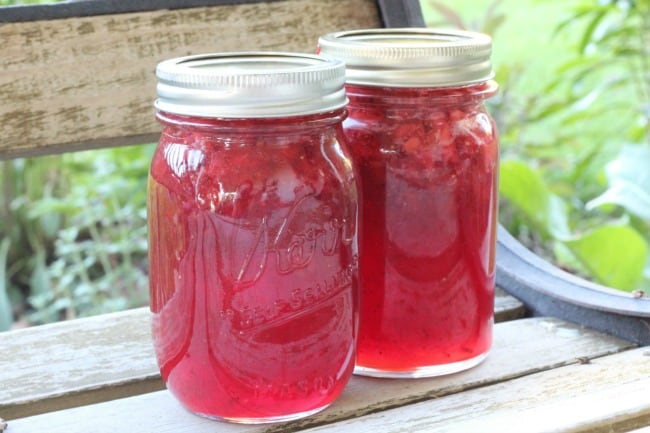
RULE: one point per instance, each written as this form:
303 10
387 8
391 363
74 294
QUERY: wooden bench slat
96 359
395 13
610 394
89 82
77 362
507 307
521 347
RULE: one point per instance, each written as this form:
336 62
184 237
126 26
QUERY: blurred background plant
574 111
73 235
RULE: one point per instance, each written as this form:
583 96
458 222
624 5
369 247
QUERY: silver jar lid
250 85
411 57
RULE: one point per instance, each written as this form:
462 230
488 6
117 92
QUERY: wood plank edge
75 9
82 397
507 307
59 148
395 13
130 314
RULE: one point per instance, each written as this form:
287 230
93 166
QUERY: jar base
263 420
420 372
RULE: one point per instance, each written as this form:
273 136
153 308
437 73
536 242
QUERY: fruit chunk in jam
253 264
427 162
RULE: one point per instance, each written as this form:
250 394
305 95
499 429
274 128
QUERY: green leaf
6 316
550 109
628 176
39 281
571 20
588 35
452 17
567 259
615 255
526 190
493 23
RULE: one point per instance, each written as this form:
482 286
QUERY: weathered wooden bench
79 75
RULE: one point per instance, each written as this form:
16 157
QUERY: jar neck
404 97
253 125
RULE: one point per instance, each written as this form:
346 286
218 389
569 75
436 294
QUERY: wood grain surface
76 362
89 82
606 395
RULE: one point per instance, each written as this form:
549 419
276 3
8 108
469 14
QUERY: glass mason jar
426 153
252 235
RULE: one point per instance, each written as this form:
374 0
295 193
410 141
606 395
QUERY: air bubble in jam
427 163
253 264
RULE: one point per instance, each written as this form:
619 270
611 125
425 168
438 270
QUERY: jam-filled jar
252 235
426 153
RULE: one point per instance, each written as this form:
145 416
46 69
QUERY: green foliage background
73 234
574 112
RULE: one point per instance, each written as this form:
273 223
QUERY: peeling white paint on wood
48 103
609 394
76 362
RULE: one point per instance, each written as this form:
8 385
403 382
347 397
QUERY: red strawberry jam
426 155
428 176
253 258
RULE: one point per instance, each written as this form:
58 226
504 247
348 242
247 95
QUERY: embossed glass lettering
254 263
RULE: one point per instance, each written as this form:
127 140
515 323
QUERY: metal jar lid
250 85
411 57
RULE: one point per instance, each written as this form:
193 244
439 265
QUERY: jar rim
227 125
411 57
